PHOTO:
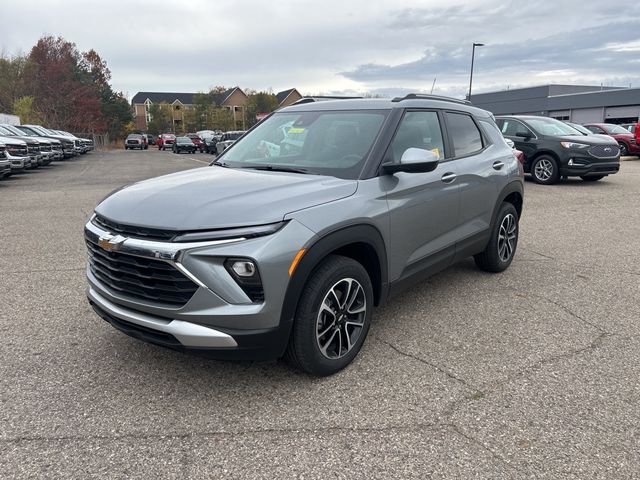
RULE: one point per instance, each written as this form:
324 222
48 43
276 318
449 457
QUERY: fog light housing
244 268
245 273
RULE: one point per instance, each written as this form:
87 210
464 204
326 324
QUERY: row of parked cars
553 149
213 142
25 147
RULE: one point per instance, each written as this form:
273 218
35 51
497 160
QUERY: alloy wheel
507 237
543 170
341 318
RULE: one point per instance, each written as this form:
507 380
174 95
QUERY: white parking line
199 161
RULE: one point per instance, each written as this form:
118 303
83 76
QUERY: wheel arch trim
320 249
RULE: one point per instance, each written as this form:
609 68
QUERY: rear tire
593 178
333 317
544 170
499 252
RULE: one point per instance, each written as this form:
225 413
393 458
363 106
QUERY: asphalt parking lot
532 373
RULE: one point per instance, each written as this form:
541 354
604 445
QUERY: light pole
473 54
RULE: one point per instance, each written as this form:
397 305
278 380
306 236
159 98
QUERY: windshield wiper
219 163
277 168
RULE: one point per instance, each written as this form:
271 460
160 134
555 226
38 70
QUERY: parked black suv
553 149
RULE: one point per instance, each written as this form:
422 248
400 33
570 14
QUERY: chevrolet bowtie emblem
111 244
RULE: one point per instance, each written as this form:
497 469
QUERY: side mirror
414 160
524 135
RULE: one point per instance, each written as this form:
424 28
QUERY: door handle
498 165
448 177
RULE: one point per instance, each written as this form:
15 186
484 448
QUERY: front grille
604 151
33 149
57 146
45 148
133 231
133 142
142 278
18 150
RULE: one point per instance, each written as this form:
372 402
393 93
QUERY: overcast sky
345 46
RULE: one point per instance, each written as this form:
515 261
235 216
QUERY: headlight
574 145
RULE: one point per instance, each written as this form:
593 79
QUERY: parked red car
633 128
197 141
627 141
166 141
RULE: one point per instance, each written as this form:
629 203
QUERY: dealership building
575 103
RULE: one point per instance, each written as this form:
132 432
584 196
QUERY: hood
587 139
28 140
12 141
217 197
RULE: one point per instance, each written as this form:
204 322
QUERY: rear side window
464 133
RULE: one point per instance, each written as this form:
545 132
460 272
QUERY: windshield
551 126
5 131
615 129
39 130
580 128
326 143
27 131
183 140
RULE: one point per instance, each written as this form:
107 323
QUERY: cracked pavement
532 373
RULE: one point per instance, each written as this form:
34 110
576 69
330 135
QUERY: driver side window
511 127
418 130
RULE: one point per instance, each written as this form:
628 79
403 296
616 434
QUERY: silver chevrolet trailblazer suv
284 244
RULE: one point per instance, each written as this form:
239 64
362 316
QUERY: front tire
624 150
333 317
545 170
499 253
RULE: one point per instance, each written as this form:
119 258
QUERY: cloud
333 46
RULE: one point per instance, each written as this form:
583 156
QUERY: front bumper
5 168
26 162
219 317
580 162
17 164
69 152
590 169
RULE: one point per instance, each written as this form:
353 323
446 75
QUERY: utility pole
473 54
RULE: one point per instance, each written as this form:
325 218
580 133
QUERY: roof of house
158 97
184 98
282 96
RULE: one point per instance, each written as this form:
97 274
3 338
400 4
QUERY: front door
423 207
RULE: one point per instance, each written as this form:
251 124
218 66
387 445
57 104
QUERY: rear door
483 161
423 207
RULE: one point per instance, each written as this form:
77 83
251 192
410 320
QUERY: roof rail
322 98
426 96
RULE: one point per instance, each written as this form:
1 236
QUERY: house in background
233 99
288 97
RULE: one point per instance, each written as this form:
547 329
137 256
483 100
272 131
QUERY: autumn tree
23 108
63 88
258 102
161 118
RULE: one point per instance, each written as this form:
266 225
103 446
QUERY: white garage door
587 115
623 112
